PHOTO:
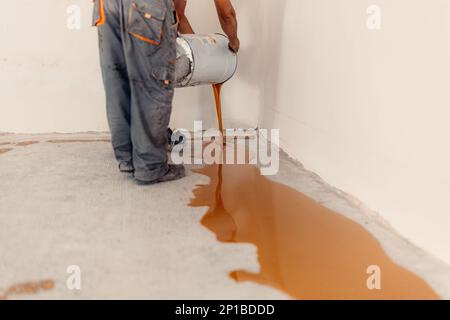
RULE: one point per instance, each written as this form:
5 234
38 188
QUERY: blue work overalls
137 41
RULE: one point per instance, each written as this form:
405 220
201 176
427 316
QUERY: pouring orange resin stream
217 88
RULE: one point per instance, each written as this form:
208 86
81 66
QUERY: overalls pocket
164 76
146 20
98 16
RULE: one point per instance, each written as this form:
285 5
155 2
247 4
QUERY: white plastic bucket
204 59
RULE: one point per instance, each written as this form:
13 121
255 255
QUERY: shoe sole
148 183
126 171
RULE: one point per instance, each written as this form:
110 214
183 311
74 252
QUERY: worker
137 44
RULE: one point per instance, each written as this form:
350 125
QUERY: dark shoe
175 172
126 167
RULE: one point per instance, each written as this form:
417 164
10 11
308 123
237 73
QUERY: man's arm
227 17
228 21
184 25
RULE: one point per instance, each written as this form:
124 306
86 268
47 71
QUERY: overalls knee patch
146 20
98 17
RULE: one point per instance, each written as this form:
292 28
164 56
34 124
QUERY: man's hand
234 45
228 21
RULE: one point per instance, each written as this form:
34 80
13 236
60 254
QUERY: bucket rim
237 59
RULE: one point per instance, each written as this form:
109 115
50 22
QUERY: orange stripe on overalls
101 19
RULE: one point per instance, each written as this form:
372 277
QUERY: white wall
367 110
49 76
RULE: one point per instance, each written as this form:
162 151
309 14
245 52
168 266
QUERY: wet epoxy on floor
18 144
27 288
5 150
26 143
304 249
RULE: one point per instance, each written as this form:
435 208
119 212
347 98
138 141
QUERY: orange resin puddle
26 143
304 249
5 150
27 288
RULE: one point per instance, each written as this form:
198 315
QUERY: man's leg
115 79
150 49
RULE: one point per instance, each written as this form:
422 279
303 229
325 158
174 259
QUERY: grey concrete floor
64 204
